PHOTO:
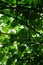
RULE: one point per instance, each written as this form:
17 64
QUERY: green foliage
21 32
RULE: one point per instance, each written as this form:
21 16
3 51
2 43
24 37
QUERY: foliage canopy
21 32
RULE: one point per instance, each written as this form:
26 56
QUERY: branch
34 29
7 15
5 3
2 2
22 6
10 15
8 7
23 21
33 9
